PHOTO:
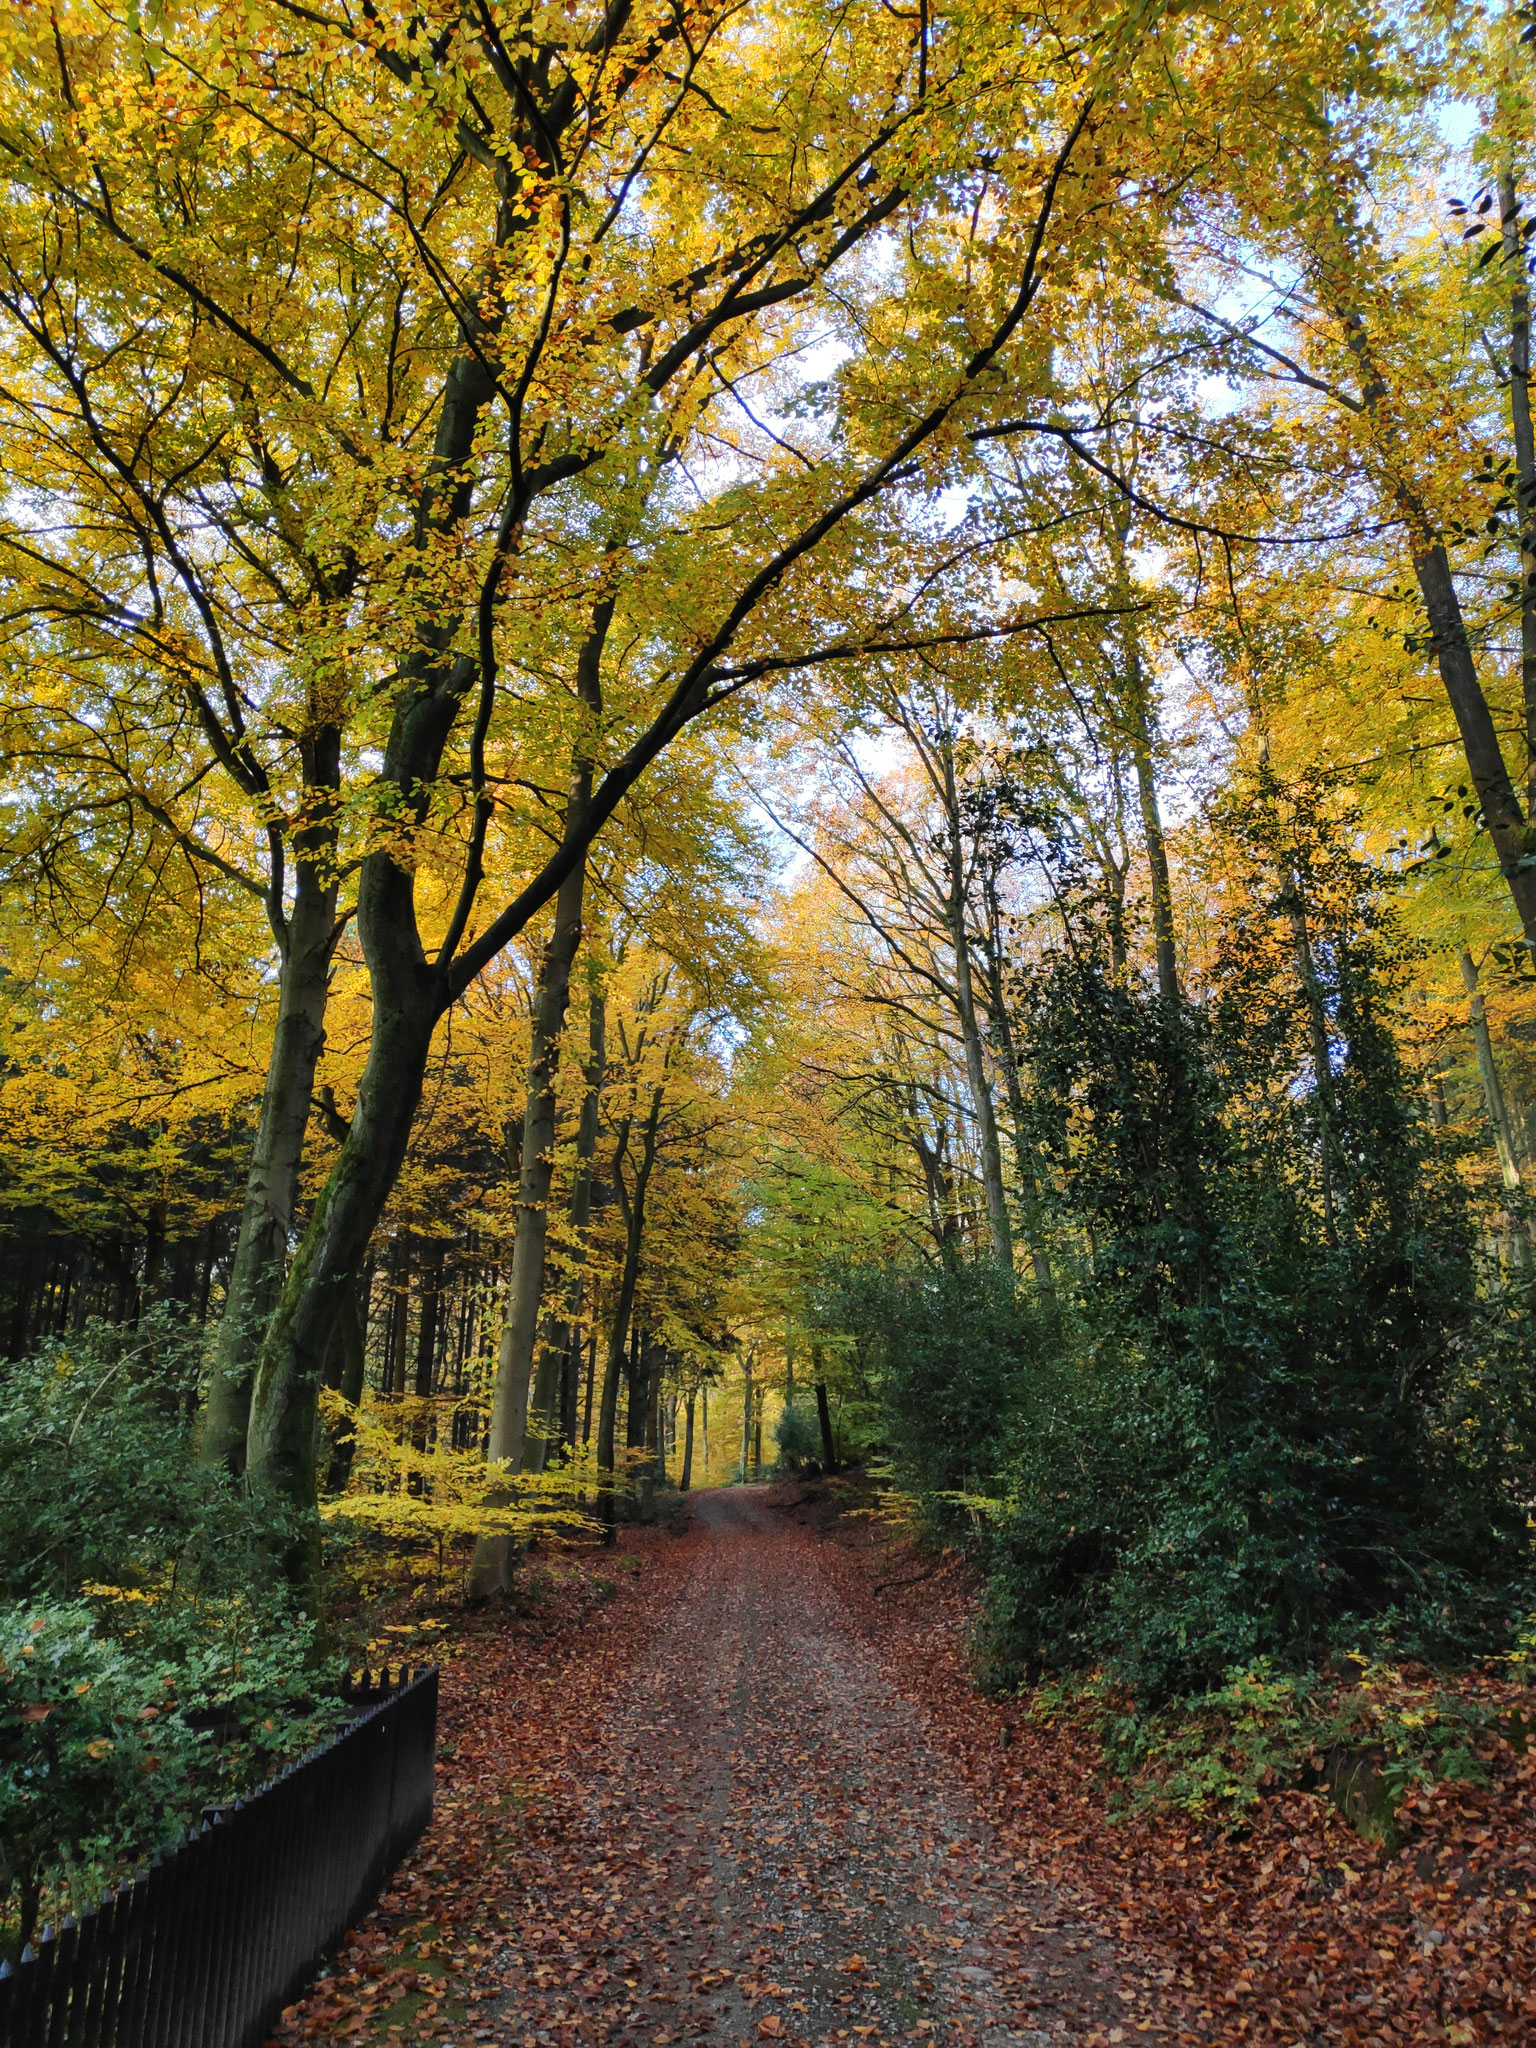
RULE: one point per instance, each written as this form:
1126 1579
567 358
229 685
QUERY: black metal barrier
205 1947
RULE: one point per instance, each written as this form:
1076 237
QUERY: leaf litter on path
745 1800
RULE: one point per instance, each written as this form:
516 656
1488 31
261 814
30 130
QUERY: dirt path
782 1853
723 1790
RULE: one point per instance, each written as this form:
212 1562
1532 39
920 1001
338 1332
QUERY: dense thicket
1278 1404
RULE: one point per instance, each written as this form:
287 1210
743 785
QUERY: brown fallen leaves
561 1893
1290 1929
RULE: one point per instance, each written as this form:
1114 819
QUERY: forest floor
730 1785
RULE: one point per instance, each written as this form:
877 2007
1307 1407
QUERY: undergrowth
1362 1732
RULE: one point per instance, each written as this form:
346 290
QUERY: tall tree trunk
570 1364
982 1104
824 1417
1524 434
1114 901
632 1208
1139 720
654 1468
685 1478
1001 1025
399 1313
519 1339
636 1382
746 1418
423 1379
1136 713
1323 1093
514 1359
1507 825
306 943
607 1428
286 1389
426 1331
533 1231
1493 1087
1479 736
1435 1089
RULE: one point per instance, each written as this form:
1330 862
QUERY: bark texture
260 1257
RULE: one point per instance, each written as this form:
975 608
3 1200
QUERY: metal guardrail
205 1947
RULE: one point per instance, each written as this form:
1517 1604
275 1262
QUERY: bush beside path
724 1787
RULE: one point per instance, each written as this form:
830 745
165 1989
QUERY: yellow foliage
409 1483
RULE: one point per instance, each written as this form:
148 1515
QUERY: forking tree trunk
306 943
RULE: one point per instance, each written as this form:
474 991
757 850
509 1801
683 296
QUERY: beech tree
380 359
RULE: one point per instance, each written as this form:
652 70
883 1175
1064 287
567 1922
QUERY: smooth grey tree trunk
272 1181
1324 1095
982 1103
1001 1026
507 1443
1493 1087
1524 434
1139 728
1139 720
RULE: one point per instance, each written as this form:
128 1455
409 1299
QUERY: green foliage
144 1673
951 1354
798 1437
1283 1413
1265 1726
92 1766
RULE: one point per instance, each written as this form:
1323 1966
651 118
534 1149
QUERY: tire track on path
781 1852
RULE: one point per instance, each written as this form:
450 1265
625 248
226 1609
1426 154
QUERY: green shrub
952 1354
1280 1410
135 1616
798 1439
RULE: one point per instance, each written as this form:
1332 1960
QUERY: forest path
787 1856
